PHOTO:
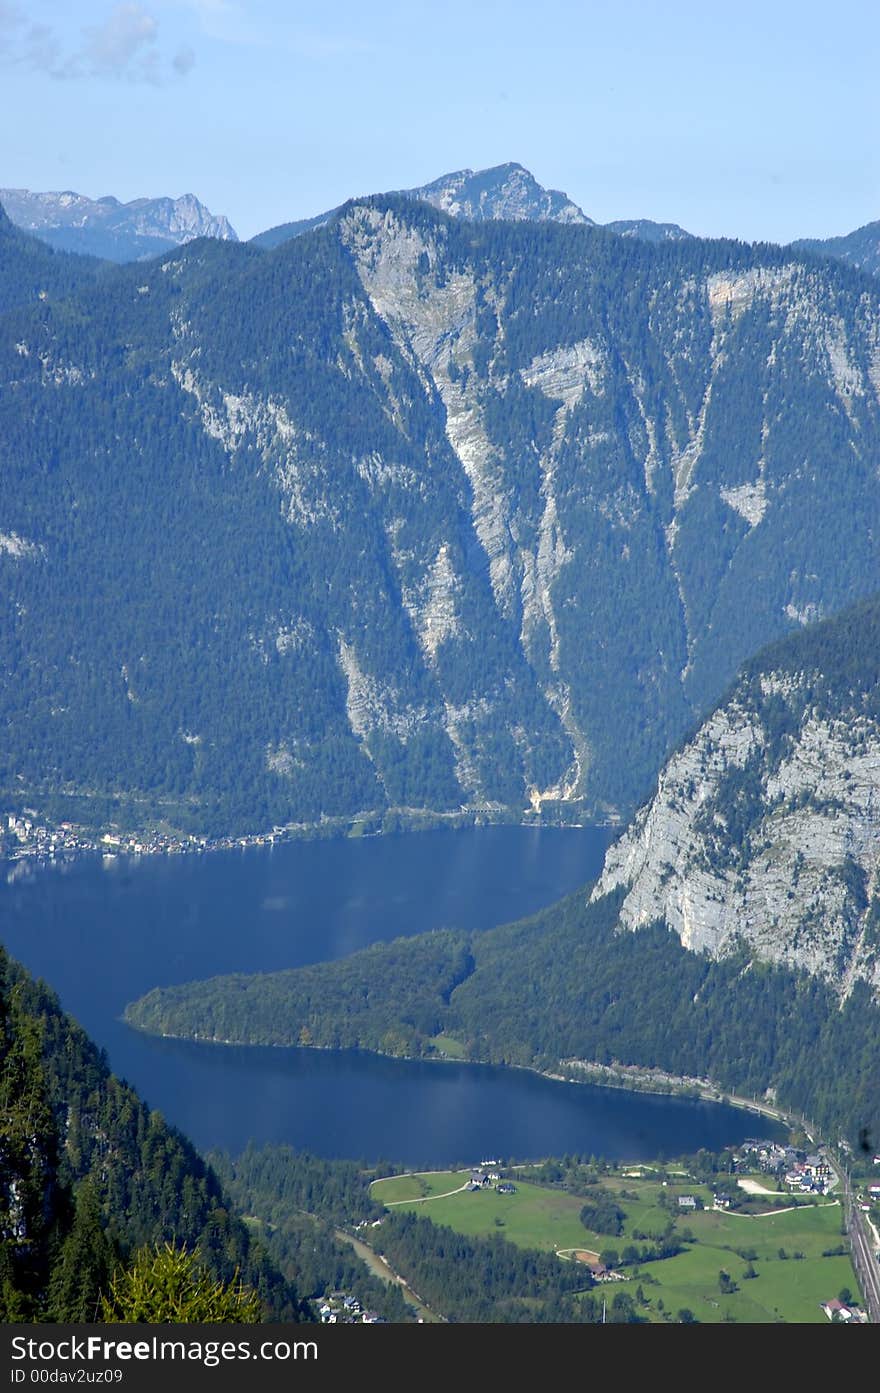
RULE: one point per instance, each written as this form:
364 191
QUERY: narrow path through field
789 1209
423 1199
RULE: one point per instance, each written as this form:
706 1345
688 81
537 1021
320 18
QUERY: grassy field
417 1187
532 1218
785 1288
450 1047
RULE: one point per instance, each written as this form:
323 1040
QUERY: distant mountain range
112 230
860 248
146 227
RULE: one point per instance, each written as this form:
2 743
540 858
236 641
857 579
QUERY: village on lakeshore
27 837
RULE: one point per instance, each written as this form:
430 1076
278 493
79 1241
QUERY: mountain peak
508 191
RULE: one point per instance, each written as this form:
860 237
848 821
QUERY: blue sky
755 120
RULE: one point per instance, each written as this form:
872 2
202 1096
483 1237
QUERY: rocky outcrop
506 191
765 830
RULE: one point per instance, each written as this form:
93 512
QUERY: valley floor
771 1261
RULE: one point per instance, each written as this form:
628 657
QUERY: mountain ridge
506 191
108 228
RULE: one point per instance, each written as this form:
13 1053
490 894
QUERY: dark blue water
102 934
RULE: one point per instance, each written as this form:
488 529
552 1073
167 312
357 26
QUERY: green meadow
783 1250
535 1217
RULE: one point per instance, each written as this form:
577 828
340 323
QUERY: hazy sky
756 120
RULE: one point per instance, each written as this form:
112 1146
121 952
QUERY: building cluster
27 835
869 1198
803 1172
838 1311
488 1177
341 1309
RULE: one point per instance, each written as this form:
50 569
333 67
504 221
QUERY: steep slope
30 271
763 829
88 1174
417 513
106 228
860 248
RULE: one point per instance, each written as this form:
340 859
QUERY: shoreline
48 845
676 1087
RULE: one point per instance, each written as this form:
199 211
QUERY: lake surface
104 932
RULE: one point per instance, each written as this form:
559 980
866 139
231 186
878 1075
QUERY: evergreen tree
83 1271
166 1285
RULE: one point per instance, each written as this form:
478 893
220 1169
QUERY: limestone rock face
770 841
506 191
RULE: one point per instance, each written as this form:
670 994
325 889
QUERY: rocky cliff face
765 827
505 191
105 227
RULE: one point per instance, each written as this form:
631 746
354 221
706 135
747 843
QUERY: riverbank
381 1268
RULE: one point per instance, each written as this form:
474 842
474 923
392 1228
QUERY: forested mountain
413 512
104 227
860 248
89 1175
29 270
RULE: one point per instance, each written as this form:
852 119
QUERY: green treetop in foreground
166 1285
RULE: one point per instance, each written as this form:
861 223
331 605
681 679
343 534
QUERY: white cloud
125 40
124 45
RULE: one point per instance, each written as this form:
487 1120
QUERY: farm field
785 1287
428 1184
535 1217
